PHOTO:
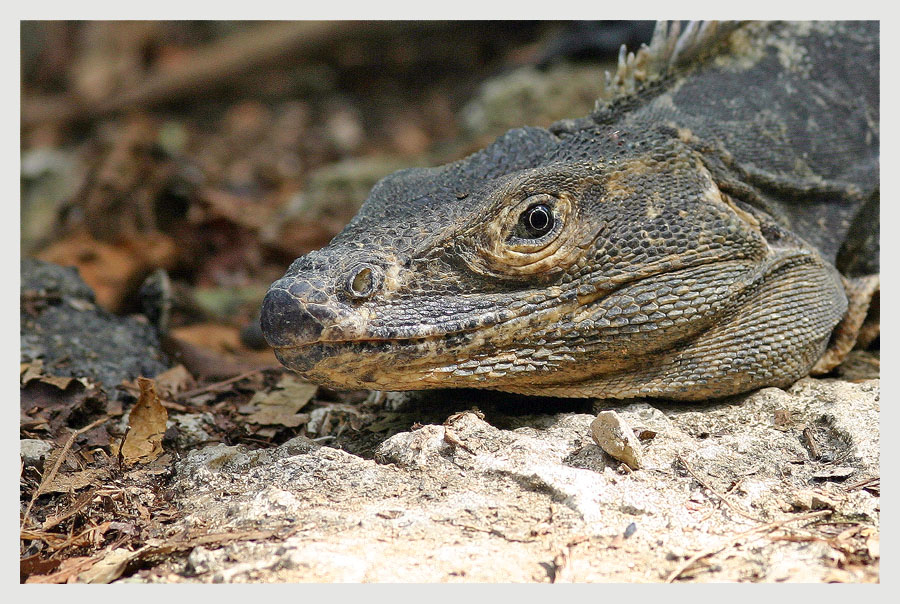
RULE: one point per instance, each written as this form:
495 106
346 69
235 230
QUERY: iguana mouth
360 363
293 322
322 340
423 350
540 342
373 344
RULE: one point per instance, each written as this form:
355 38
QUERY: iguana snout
319 300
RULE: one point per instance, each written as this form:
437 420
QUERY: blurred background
220 151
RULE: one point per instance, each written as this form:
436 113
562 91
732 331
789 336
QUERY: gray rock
53 280
191 428
202 560
75 338
534 97
331 197
34 452
50 178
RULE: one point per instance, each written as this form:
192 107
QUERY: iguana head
570 264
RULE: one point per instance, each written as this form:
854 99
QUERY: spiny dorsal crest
669 49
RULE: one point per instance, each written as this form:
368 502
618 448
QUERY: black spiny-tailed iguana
710 230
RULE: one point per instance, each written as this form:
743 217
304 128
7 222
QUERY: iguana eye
535 222
526 237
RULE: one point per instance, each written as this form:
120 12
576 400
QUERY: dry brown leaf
110 567
60 382
146 426
67 483
213 350
239 210
68 570
280 406
175 381
29 372
112 269
36 565
213 336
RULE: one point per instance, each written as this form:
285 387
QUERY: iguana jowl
711 230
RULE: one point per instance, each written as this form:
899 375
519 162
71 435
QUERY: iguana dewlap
711 230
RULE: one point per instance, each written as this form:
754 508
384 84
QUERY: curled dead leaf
146 426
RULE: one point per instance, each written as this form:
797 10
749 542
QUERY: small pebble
616 437
812 500
34 451
837 474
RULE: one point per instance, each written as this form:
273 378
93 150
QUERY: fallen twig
74 538
771 526
810 439
216 385
451 439
80 502
706 485
48 478
864 483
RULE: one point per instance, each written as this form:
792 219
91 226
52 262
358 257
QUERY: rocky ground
726 493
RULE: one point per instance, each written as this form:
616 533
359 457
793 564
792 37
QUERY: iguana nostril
363 281
287 322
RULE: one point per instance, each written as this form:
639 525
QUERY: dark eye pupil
535 222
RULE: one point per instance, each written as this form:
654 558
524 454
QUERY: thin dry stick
73 538
733 540
82 501
215 385
48 478
863 483
703 483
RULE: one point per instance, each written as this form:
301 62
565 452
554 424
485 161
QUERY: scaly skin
684 247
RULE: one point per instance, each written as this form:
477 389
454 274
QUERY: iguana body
680 242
